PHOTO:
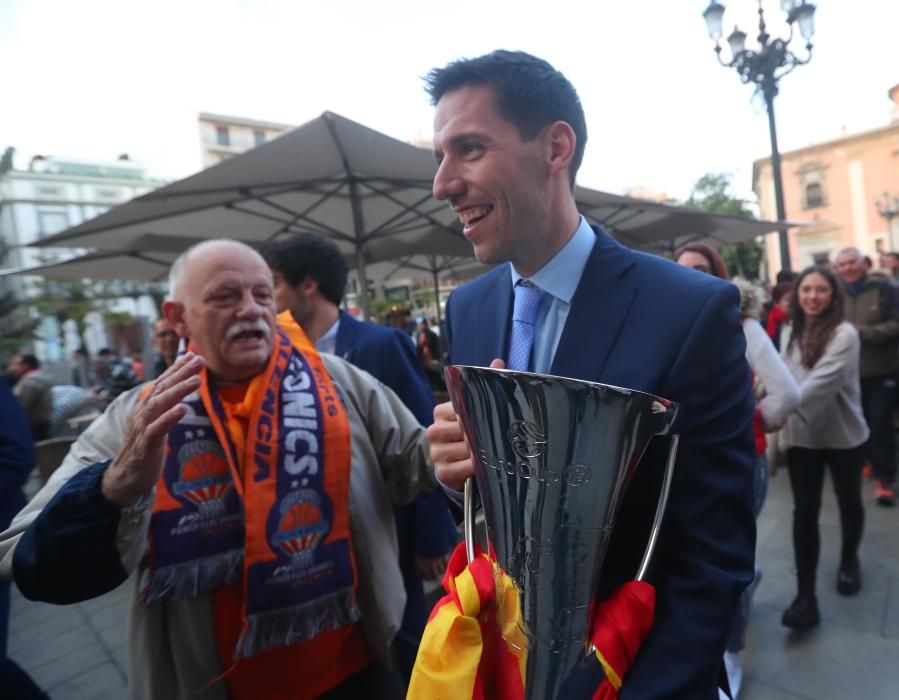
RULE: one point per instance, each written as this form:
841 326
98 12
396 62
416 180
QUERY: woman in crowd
822 352
779 397
777 317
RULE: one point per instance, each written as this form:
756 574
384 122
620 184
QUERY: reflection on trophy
553 458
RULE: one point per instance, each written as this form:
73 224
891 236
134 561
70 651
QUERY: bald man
250 488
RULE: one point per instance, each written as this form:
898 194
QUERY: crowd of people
280 484
836 328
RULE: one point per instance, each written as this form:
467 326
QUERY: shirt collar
328 342
562 274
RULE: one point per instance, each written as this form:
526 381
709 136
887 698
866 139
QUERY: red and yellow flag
473 646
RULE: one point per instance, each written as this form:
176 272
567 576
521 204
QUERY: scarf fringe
192 579
275 628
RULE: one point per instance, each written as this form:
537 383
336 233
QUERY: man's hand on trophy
135 471
449 451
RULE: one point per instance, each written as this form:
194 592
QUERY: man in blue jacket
16 463
568 300
310 280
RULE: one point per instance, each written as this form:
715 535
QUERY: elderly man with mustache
250 489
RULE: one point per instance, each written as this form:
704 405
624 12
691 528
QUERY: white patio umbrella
332 176
126 265
368 192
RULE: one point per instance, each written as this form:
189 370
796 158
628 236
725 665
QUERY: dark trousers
375 681
806 469
878 396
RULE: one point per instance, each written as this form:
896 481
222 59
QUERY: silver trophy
552 459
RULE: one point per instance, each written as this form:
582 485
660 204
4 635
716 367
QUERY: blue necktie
524 318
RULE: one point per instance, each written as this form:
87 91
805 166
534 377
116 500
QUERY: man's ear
174 314
308 286
561 143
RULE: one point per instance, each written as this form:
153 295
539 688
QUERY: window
222 138
814 195
812 184
107 194
821 259
397 293
258 137
49 191
51 220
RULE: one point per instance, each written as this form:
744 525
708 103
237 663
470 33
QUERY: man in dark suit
509 137
310 279
16 462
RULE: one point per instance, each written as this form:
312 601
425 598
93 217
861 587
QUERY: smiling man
566 299
250 488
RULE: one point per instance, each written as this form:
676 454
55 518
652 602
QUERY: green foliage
118 318
713 193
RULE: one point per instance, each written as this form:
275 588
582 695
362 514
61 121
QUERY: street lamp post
764 67
888 208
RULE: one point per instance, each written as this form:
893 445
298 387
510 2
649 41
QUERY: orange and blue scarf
278 514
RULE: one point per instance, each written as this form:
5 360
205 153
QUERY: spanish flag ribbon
621 624
465 651
473 645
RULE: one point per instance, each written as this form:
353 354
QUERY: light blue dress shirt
328 342
559 278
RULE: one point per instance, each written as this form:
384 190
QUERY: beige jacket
172 643
830 401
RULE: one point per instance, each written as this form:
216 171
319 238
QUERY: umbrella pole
363 282
359 229
437 297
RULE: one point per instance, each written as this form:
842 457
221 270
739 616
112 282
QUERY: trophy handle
660 509
468 518
657 521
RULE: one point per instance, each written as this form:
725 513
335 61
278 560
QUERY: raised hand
449 451
135 471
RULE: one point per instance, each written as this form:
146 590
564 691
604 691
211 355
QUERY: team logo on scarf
205 477
302 527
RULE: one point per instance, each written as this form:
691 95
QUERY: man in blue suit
310 279
16 462
509 137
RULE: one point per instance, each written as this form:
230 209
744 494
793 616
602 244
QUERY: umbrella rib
282 187
412 209
425 216
261 215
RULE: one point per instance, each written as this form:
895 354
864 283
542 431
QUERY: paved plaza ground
79 652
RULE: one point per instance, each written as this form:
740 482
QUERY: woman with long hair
822 351
779 399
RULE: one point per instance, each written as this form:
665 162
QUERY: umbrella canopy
658 227
126 265
361 188
368 192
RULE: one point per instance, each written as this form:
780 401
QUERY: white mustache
248 327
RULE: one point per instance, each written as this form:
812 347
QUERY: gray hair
851 249
176 272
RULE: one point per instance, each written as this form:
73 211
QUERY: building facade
222 137
51 195
834 188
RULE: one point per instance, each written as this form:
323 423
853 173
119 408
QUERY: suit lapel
494 313
346 336
598 309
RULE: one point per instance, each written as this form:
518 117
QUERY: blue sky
96 78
